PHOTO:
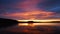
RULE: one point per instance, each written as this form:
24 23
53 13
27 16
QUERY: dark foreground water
31 30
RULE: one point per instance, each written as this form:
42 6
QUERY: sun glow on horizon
37 20
44 22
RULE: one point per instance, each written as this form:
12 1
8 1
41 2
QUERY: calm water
39 29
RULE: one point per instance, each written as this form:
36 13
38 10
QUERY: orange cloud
31 15
32 12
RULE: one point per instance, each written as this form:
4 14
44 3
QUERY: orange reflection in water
38 24
26 24
22 24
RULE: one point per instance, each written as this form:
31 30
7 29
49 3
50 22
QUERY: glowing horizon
38 20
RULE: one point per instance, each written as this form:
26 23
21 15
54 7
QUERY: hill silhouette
7 22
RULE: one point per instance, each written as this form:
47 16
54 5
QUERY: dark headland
7 22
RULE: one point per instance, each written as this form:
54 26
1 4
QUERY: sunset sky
30 9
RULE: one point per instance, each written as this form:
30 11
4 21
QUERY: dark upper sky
30 9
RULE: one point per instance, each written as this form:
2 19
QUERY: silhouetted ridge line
7 22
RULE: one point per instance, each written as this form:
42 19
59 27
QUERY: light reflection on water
40 28
38 24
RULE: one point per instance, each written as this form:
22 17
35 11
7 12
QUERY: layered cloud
28 9
30 15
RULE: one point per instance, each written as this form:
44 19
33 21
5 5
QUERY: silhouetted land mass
52 22
7 22
55 22
29 22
